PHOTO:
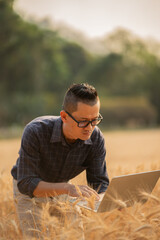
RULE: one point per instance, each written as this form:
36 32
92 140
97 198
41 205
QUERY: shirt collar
88 141
57 135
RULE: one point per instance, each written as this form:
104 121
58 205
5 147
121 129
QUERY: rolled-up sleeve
29 161
97 176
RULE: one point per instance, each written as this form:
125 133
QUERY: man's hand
81 191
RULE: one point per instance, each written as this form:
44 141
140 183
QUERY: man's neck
67 139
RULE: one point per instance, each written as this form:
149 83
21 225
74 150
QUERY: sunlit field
127 152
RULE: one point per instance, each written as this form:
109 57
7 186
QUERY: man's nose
89 127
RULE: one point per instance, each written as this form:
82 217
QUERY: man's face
84 112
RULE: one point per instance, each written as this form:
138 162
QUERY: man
55 150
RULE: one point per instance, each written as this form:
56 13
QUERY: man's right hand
81 191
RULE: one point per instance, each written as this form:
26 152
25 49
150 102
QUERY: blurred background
45 46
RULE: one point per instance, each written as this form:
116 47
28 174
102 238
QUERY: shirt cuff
28 185
33 184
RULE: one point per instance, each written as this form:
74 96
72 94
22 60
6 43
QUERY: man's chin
85 137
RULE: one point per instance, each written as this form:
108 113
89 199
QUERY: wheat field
127 152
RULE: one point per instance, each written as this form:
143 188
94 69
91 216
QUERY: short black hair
79 93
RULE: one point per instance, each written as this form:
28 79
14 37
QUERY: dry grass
130 151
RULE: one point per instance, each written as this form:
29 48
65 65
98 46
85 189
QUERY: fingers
82 191
85 191
88 192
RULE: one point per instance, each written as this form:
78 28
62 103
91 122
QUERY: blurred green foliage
37 66
128 112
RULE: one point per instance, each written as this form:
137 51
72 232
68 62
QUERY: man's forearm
45 189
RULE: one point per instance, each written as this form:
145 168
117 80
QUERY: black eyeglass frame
87 122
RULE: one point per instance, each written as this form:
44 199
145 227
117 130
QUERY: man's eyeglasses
83 124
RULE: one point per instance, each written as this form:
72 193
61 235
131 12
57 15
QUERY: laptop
124 191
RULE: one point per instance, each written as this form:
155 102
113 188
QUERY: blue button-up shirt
46 156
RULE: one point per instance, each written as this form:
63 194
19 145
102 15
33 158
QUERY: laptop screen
124 190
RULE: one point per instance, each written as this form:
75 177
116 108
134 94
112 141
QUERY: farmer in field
55 150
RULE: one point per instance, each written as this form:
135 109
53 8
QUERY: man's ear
63 115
